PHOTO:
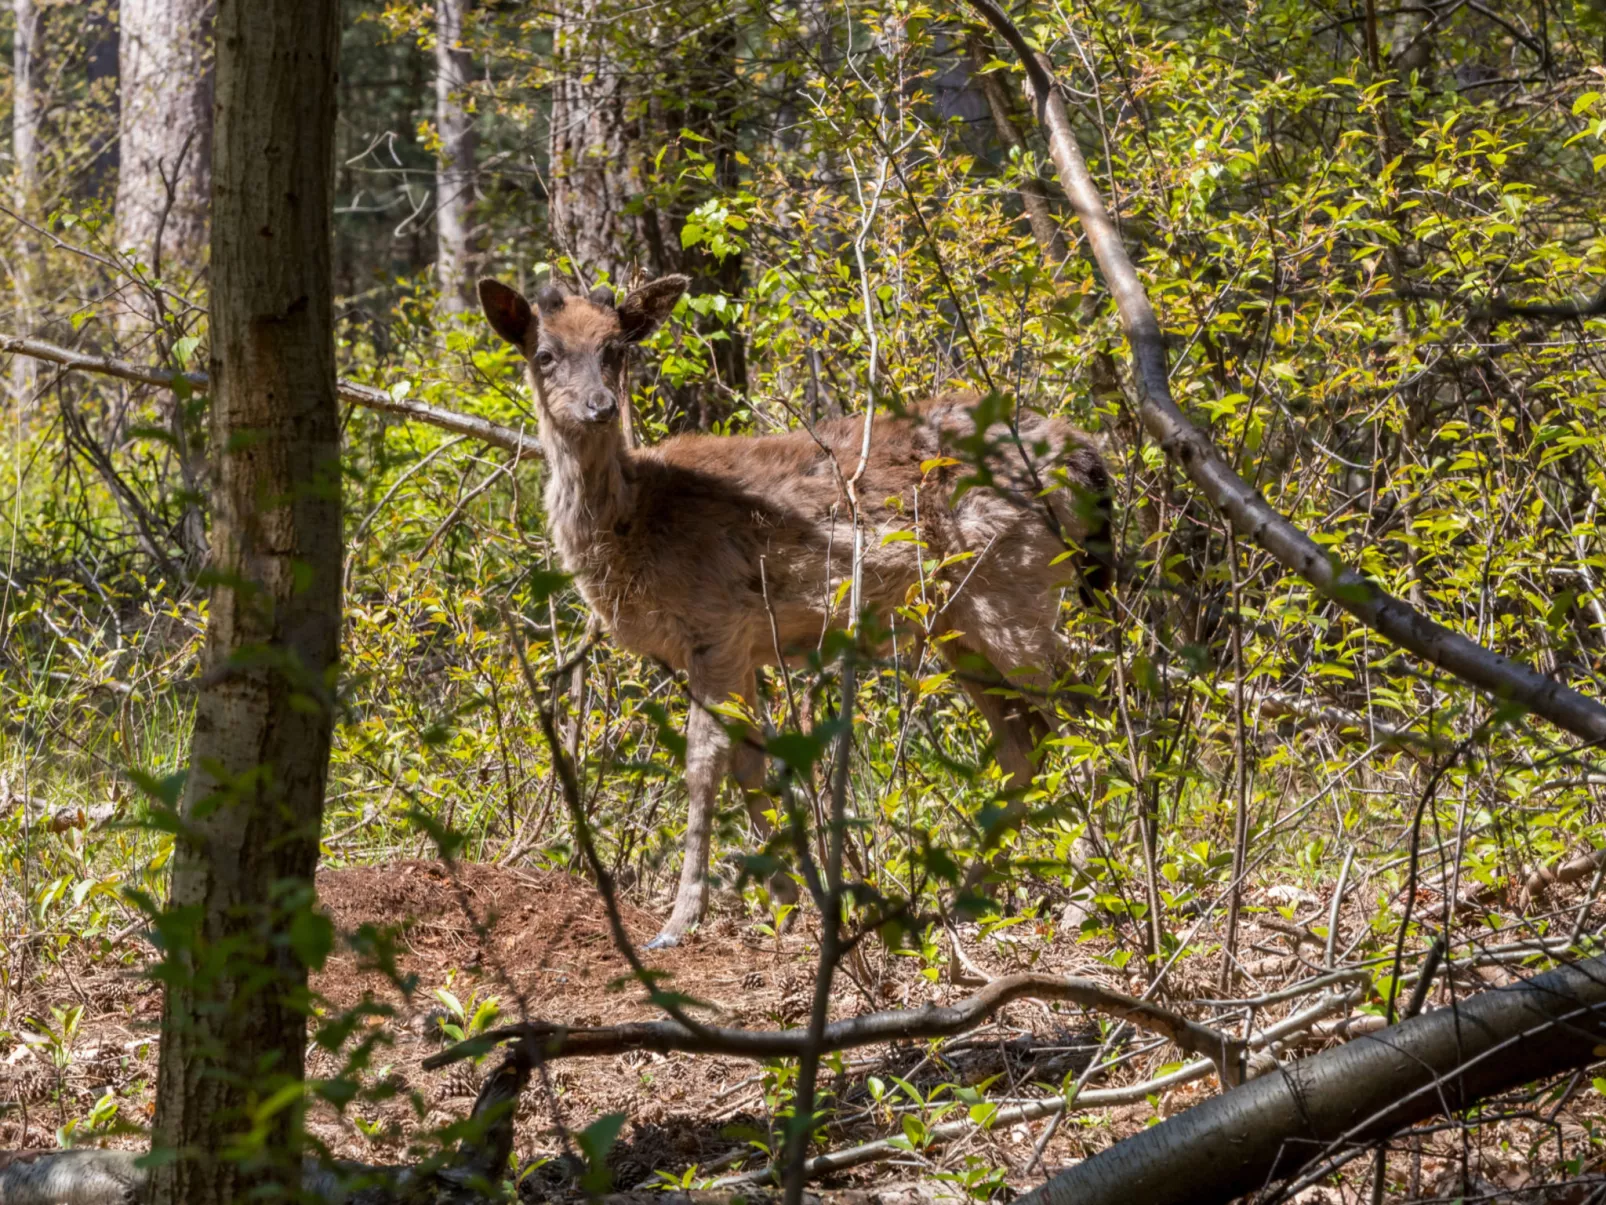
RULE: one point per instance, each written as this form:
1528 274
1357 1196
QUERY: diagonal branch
1249 513
367 396
932 1021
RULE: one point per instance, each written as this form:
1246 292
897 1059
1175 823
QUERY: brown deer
714 553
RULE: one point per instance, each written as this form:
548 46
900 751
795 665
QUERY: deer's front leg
708 755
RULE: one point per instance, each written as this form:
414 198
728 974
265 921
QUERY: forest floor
538 943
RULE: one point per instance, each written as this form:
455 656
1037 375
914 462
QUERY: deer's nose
601 406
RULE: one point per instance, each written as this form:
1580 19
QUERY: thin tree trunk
100 74
1033 193
164 135
239 933
454 174
25 166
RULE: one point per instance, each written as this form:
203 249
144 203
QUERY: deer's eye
545 359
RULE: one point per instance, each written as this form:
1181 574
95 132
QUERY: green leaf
914 1130
595 1141
312 936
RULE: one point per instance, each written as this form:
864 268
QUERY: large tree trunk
454 173
25 164
240 932
592 170
164 134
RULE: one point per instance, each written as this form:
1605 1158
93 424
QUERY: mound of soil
536 943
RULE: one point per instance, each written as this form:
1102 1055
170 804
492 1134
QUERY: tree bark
1033 195
164 59
100 72
24 98
592 175
455 248
239 932
615 105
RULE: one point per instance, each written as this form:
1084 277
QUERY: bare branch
1078 1100
932 1021
367 396
1497 308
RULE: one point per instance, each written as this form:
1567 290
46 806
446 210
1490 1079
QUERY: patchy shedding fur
686 550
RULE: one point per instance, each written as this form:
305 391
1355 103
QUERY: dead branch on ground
932 1021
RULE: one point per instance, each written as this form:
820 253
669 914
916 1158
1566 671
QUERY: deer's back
730 530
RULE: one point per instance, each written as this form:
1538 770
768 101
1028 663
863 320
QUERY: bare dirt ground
538 944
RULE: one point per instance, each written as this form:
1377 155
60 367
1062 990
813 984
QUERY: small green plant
978 1178
55 1041
100 1122
465 1020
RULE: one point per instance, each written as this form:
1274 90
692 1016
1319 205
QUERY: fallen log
1272 1127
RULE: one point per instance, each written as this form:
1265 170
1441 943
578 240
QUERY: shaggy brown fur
687 550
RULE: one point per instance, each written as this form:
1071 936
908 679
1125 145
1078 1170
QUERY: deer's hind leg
1016 725
747 767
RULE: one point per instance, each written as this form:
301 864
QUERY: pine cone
29 1082
462 1079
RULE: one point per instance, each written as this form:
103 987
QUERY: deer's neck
590 491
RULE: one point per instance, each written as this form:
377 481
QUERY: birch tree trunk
454 174
25 163
239 932
164 133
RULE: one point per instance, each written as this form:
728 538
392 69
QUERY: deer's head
576 346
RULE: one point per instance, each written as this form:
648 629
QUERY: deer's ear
645 310
507 311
